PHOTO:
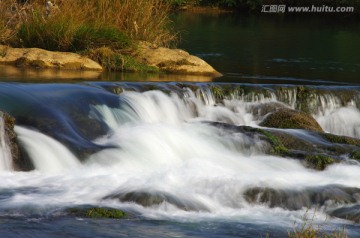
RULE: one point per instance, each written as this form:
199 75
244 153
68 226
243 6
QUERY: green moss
277 146
355 155
97 212
318 162
341 139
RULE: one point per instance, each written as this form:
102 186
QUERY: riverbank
146 59
132 36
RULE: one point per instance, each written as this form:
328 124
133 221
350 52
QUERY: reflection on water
300 47
11 73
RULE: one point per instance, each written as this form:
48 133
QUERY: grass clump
308 230
117 61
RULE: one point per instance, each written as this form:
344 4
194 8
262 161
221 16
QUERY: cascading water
47 155
163 158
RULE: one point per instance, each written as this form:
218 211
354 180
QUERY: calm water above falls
275 49
173 155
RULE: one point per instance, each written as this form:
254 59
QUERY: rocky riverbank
161 59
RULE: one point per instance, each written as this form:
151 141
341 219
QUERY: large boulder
291 119
174 60
40 58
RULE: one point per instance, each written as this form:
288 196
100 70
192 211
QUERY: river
174 155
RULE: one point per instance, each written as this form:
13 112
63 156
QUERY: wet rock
39 58
291 119
154 198
19 157
311 197
351 213
174 60
310 147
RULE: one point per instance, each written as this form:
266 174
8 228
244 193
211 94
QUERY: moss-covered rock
341 139
318 162
355 155
291 119
97 212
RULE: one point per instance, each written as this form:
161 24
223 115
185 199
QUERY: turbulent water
153 151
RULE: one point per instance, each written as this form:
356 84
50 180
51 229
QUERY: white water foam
47 154
158 145
341 121
5 152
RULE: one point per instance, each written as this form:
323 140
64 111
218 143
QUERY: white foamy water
47 154
5 152
158 144
341 121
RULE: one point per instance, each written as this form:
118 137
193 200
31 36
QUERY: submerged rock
174 60
291 119
155 198
39 58
296 199
351 213
96 212
312 148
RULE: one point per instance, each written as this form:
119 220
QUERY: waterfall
5 152
47 154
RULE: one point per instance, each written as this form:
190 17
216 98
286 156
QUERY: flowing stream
153 150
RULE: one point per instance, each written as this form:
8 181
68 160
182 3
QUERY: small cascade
5 152
47 154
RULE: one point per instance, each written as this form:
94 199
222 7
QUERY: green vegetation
341 139
97 212
318 162
307 229
355 155
277 146
115 60
83 26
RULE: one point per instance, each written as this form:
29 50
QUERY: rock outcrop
20 160
39 58
174 60
291 119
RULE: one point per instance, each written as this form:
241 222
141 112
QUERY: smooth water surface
273 48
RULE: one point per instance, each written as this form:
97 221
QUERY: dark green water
272 48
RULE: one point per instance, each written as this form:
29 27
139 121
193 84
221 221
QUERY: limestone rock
174 60
40 58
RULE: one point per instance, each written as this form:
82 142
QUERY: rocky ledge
39 58
174 60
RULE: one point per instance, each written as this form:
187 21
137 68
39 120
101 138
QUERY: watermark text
308 9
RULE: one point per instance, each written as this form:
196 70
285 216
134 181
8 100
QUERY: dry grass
309 230
83 24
